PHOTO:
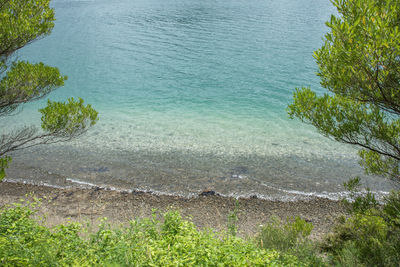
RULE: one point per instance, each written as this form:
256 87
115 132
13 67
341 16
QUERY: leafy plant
359 201
391 209
21 23
144 242
359 66
290 237
233 219
370 237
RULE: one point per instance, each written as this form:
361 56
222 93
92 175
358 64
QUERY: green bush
24 242
290 237
233 218
364 232
368 237
391 209
145 242
360 202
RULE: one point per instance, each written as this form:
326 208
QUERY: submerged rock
239 172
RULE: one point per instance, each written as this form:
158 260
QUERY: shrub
290 237
366 232
233 218
145 242
369 237
359 201
391 209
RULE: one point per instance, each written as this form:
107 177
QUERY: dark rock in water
100 169
253 197
103 169
241 170
208 193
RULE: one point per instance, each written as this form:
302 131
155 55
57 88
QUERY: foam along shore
206 211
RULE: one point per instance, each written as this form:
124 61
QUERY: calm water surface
192 96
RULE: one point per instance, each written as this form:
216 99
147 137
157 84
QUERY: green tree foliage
21 23
359 64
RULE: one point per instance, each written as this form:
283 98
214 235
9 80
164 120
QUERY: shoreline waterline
187 174
207 211
291 195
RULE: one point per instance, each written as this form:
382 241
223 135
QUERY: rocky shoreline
207 210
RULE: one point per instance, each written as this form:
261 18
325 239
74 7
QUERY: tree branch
27 137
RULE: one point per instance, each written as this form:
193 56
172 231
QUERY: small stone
207 193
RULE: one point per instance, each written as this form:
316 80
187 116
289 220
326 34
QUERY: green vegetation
145 242
291 237
360 201
359 65
369 237
21 23
233 218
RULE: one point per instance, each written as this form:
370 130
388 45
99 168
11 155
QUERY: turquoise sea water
192 96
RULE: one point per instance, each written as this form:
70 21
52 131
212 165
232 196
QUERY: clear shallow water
192 97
